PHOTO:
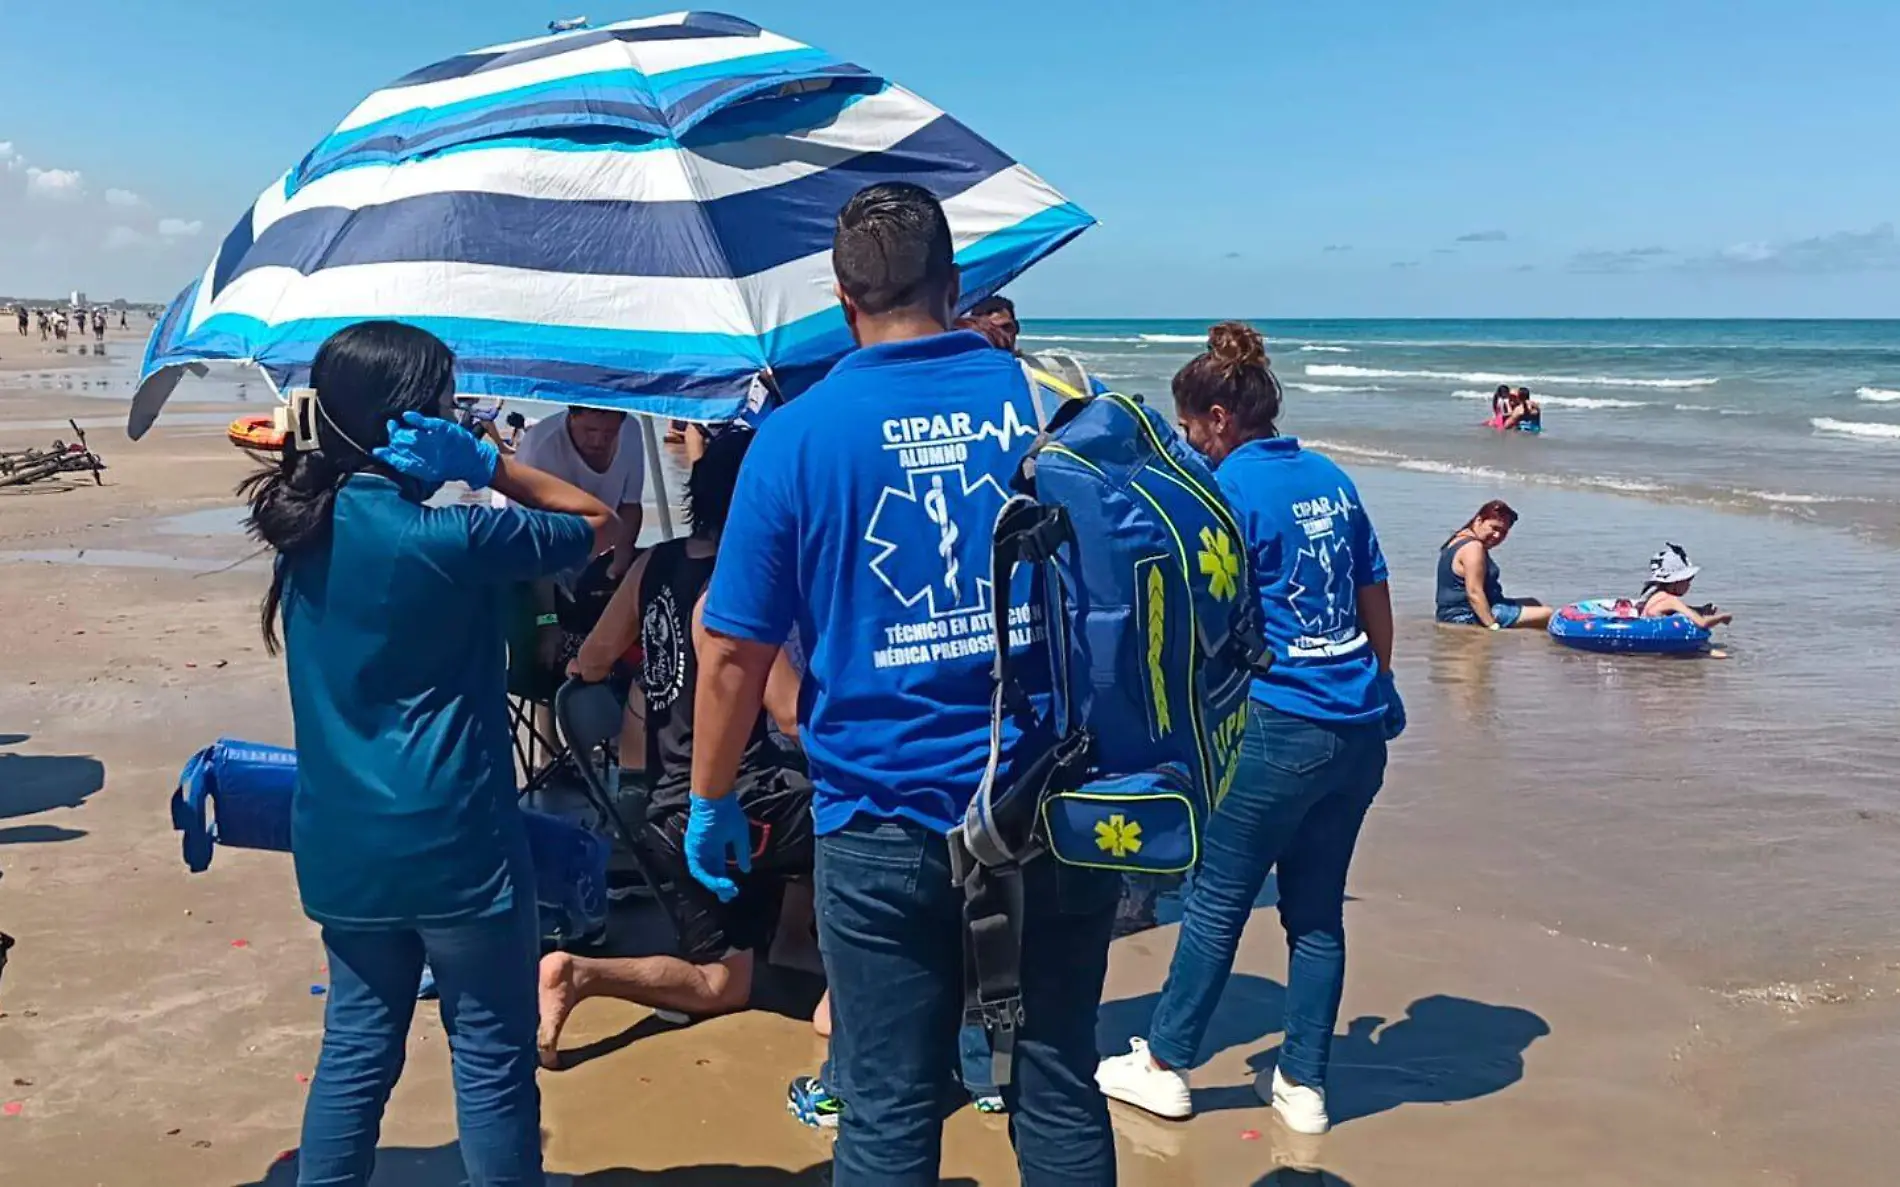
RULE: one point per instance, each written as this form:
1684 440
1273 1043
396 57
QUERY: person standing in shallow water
1314 753
408 842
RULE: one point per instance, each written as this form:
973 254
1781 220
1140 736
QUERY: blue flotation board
239 794
1612 624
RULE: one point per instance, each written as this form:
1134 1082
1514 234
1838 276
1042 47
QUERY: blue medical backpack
1140 582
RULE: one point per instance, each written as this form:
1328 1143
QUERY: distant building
79 299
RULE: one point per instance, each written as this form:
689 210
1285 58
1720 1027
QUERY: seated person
1523 412
1670 574
721 944
600 451
1470 588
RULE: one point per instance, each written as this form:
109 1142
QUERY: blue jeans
485 972
890 926
1297 803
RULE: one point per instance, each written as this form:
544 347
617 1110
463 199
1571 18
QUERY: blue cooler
239 794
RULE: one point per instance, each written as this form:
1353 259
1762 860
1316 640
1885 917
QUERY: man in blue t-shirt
863 519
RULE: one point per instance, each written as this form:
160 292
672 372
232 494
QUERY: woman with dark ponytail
407 839
1313 756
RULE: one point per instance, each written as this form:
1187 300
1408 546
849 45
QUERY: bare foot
558 996
821 1017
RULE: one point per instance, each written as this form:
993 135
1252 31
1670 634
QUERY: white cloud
123 198
9 159
122 238
178 228
58 184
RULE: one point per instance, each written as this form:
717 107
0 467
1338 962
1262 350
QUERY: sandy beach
1546 986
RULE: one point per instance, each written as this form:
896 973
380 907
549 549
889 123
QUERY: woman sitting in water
1470 590
1670 574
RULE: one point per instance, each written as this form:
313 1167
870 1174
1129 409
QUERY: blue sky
1271 158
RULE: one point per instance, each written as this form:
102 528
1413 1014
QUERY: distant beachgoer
98 325
21 314
409 844
1670 574
1522 412
896 728
721 945
1314 752
1470 587
517 425
122 319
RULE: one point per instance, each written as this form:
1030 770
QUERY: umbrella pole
660 501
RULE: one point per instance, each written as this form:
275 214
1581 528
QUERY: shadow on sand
441 1166
34 783
1288 1176
1445 1049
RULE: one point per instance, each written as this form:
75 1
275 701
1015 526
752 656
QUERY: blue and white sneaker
812 1103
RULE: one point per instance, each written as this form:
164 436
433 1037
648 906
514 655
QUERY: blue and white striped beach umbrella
637 216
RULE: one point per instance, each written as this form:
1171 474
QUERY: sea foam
1878 395
1347 371
1583 402
1865 429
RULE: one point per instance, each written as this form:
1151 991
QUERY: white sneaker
1134 1079
1303 1109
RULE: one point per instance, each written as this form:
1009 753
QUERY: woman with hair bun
1313 756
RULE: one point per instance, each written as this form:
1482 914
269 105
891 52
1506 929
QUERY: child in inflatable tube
1670 575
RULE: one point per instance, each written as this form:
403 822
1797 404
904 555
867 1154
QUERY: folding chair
531 691
589 717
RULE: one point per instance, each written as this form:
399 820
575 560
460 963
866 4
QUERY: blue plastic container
239 794
234 793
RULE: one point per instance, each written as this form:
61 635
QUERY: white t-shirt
546 446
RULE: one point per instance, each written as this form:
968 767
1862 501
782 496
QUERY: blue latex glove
433 450
717 836
1394 705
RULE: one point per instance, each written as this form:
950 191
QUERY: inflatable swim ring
259 434
1611 624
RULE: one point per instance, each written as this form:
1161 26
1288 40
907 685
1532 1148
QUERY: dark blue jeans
890 927
1297 803
486 974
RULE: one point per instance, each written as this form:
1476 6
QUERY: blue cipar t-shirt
863 517
1312 547
395 644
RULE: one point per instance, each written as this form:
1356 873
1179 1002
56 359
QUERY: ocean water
1732 820
1793 418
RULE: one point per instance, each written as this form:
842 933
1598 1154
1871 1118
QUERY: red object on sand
240 943
12 1108
1249 1135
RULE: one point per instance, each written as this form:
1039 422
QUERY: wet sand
1601 920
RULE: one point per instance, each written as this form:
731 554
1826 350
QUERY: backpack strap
1027 532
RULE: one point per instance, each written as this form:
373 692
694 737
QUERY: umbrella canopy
637 216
